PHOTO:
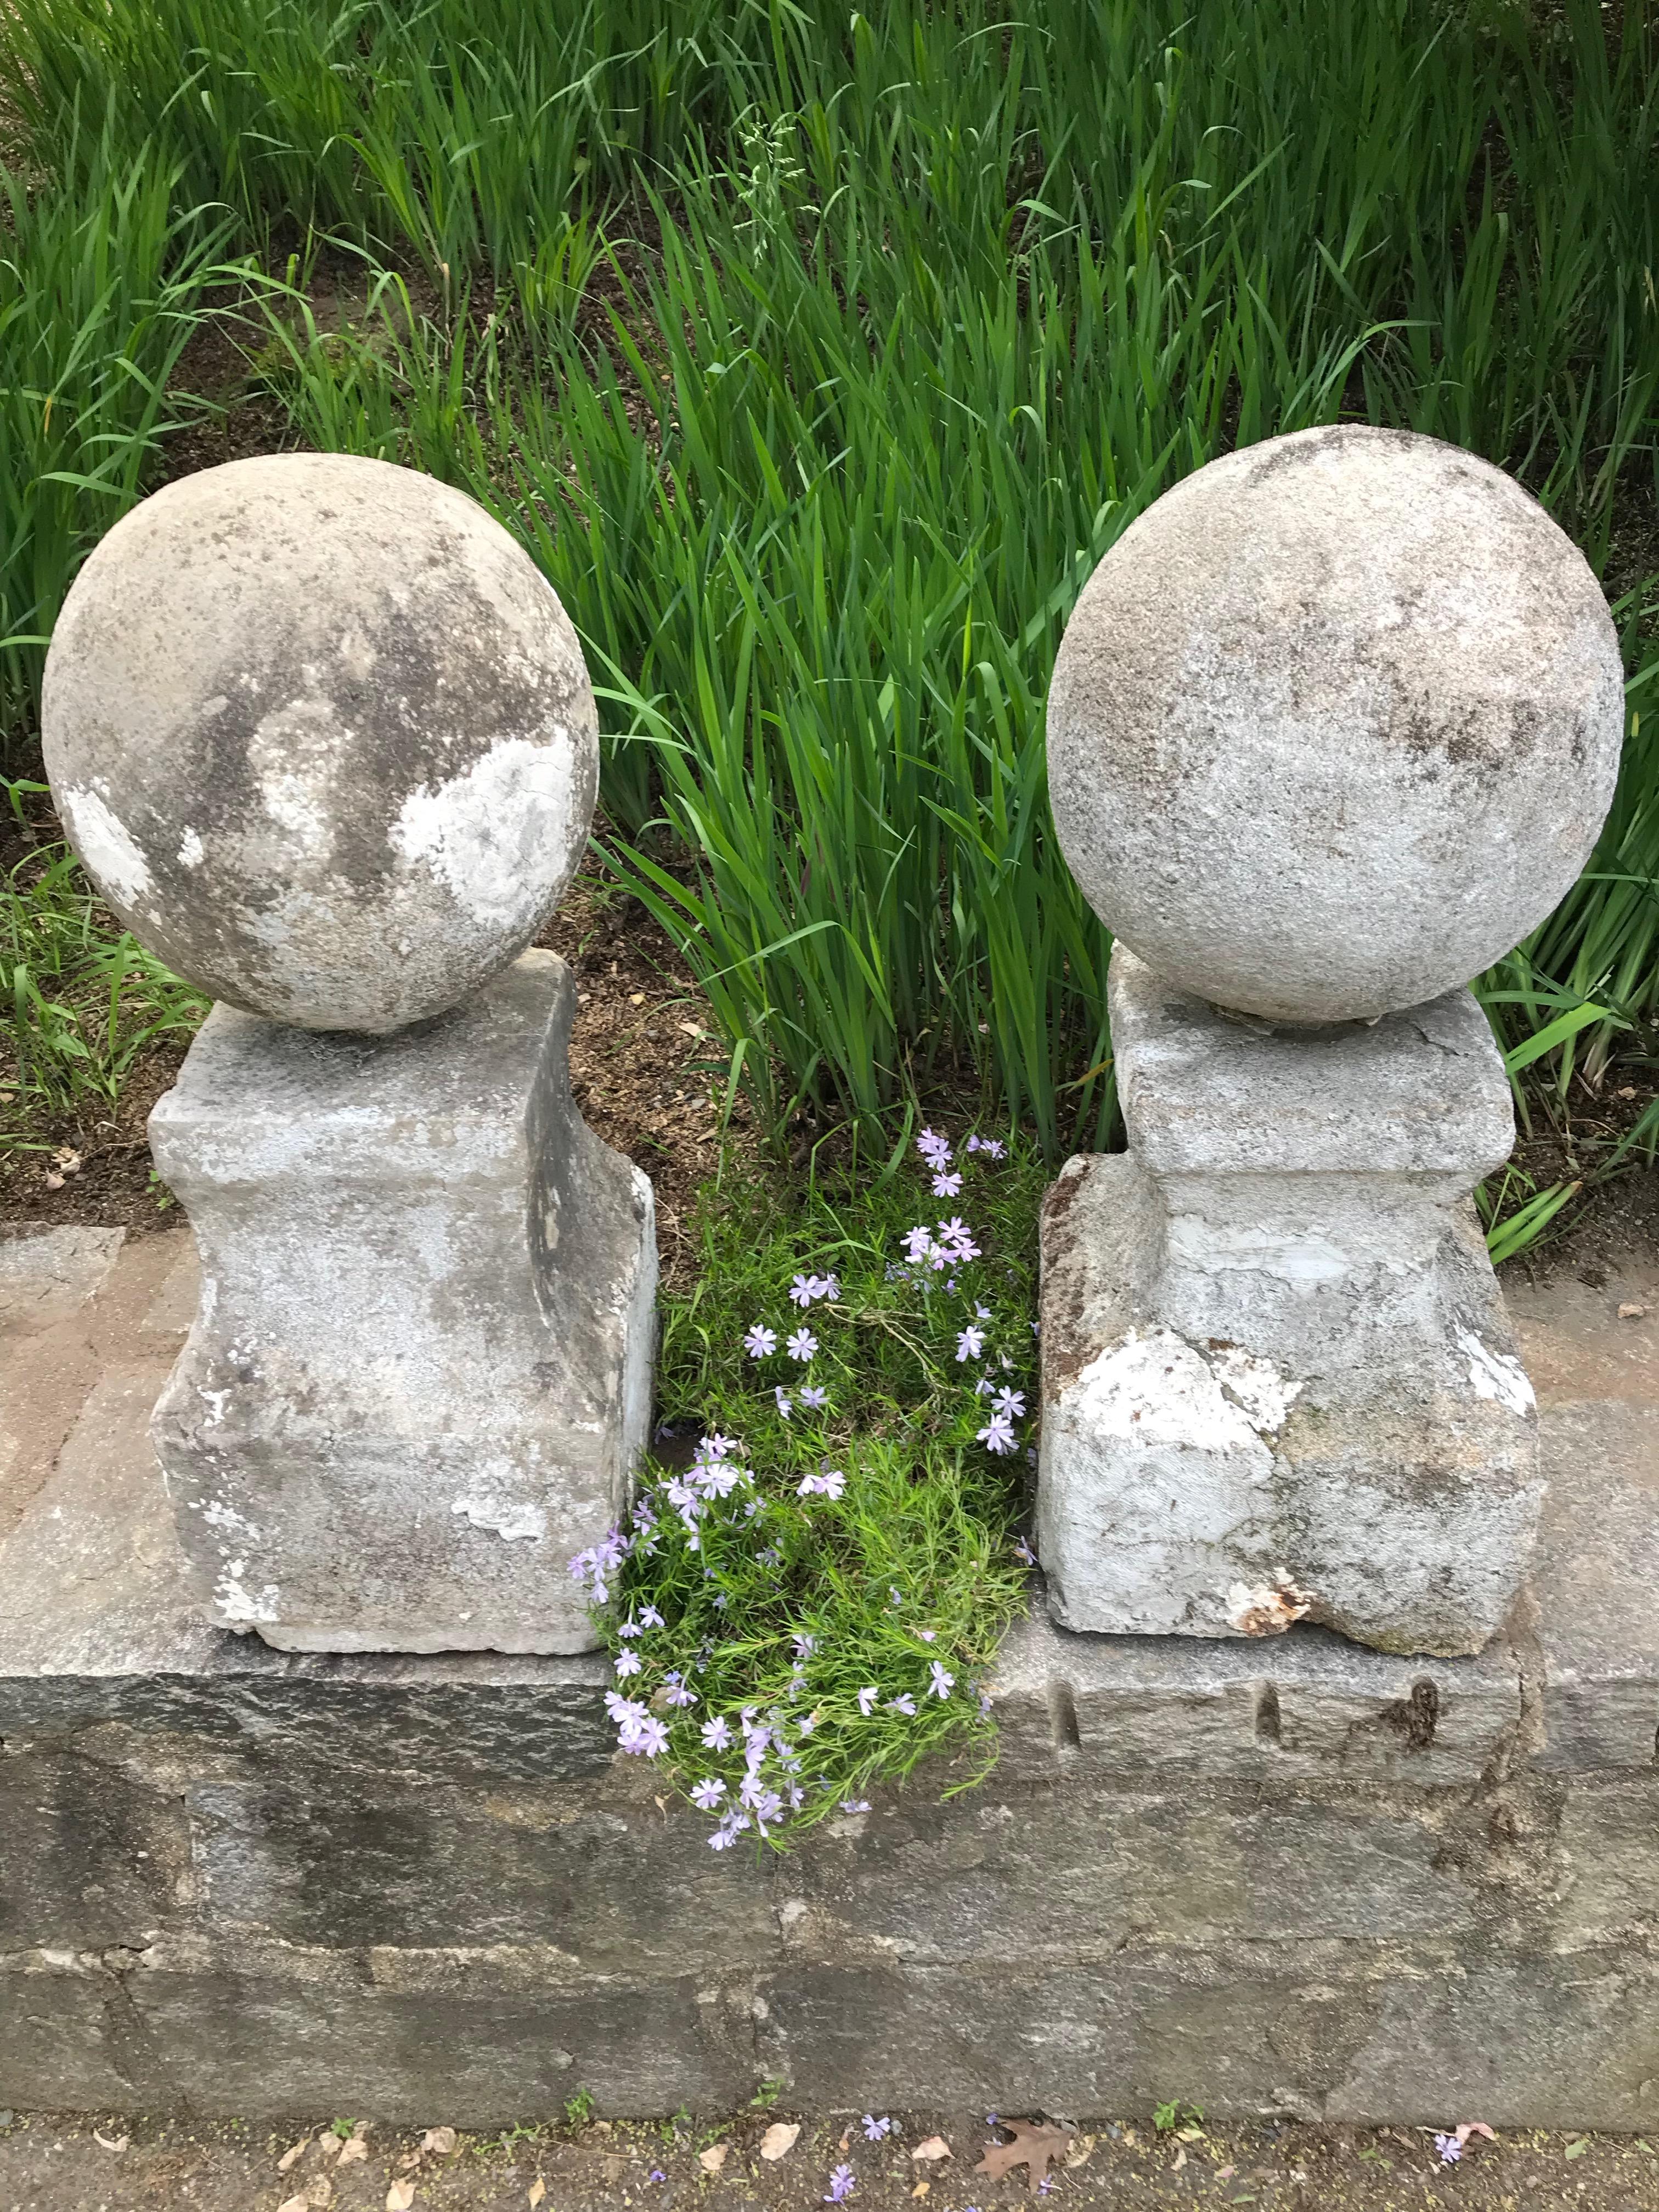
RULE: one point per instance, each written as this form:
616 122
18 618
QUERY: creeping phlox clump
792 1619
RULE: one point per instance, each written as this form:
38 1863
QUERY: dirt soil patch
50 2163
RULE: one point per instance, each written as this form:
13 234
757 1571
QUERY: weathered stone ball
1333 724
322 734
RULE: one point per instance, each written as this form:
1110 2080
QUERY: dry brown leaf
779 2139
319 2190
1035 2146
295 2205
538 2190
292 2156
1631 1312
1180 2160
118 2143
846 2138
613 2166
400 2196
1081 2151
440 2140
935 2147
54 1180
712 2160
1468 2128
352 2150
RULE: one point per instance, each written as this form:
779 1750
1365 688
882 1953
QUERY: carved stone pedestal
420 1373
1278 1381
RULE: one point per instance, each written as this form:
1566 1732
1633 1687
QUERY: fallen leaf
352 2150
1578 2149
1225 2172
637 998
1631 1312
319 2191
779 2139
712 2160
54 1181
119 2144
1180 2160
613 2166
1081 2151
935 2147
846 2138
1468 2128
922 2188
1190 2135
295 2205
289 2157
538 2190
440 2140
400 2196
1035 2146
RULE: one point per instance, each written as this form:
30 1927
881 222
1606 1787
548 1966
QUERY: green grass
81 1001
790 1605
818 355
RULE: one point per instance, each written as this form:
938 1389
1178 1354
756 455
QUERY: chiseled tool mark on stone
1498 1375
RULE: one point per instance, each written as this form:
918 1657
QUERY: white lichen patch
1497 1374
240 1607
1268 1608
498 836
1151 1387
509 1518
191 849
106 845
1265 1394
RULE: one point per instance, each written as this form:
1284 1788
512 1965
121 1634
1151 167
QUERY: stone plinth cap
1334 724
323 736
1203 1093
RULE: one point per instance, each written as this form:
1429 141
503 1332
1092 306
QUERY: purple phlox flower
771 1557
650 1617
751 1789
1449 2148
721 1601
981 1312
656 2174
933 1148
842 2185
678 1693
813 1398
806 1725
1036 1328
707 1793
717 1446
985 1704
1046 2185
760 1342
626 1713
717 1733
902 1704
947 1186
805 1288
629 1629
893 1597
653 1738
982 1388
718 1478
970 1343
928 1635
782 1396
728 1831
993 1147
797 1796
805 1646
627 1662
867 1697
1010 1403
874 2128
996 1436
802 1344
917 1242
943 1680
953 1230
1024 1551
829 1287
830 1484
768 1808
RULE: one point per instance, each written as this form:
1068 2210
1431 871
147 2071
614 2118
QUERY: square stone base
1291 1876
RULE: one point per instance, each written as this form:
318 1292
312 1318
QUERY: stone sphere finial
323 736
1333 724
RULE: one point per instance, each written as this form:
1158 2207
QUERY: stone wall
1290 1875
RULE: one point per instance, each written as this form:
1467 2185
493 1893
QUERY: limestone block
1278 1381
68 2042
322 734
420 1374
487 2036
89 1859
1334 724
